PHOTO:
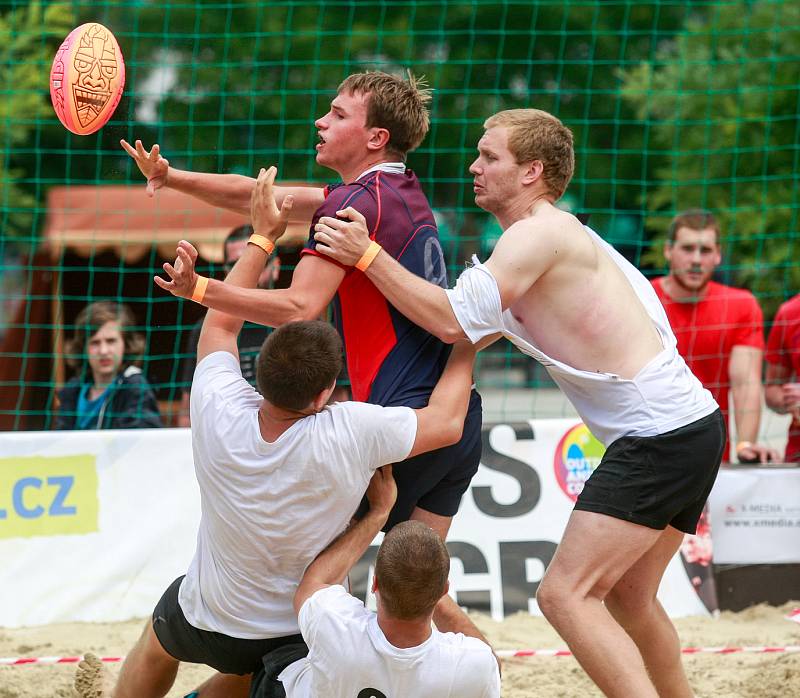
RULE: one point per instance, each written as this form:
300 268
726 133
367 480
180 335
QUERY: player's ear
378 138
374 583
533 172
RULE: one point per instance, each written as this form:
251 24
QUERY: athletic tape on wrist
264 243
200 289
369 256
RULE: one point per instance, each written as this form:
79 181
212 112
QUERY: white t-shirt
663 396
269 508
349 655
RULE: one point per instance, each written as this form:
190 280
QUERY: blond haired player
568 299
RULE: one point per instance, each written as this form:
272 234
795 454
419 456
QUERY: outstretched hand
344 240
151 164
182 275
267 219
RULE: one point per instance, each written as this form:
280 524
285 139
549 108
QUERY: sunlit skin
105 350
343 137
692 258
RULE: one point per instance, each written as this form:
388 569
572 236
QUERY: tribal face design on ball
96 65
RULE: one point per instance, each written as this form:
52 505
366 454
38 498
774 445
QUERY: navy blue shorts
658 481
436 481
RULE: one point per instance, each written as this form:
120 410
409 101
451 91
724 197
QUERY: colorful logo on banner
577 455
42 496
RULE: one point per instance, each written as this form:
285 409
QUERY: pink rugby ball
87 78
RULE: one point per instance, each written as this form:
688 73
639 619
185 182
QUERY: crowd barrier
94 525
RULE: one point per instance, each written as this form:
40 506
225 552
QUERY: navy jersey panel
391 361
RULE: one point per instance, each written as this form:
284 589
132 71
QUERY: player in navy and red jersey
404 361
392 361
373 122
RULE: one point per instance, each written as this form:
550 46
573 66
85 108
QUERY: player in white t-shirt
393 653
280 474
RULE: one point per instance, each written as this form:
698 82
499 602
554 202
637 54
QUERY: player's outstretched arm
422 302
314 281
332 564
228 191
441 422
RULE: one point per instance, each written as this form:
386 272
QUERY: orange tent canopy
91 219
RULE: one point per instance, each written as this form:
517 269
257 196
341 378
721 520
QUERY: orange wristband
264 243
369 256
200 289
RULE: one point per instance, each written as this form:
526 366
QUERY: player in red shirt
719 328
783 369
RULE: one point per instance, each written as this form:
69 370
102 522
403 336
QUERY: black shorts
436 481
265 682
226 654
658 481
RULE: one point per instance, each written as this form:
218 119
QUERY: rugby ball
87 78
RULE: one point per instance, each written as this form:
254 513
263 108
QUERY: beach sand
736 675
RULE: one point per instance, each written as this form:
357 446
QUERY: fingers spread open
127 147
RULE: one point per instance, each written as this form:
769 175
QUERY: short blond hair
534 134
400 106
411 568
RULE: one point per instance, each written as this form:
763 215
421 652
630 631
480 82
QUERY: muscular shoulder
546 237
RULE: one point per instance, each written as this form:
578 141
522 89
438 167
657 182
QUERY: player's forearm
449 618
233 192
422 302
746 410
272 307
244 275
450 397
332 564
228 191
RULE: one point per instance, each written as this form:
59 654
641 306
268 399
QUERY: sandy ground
727 676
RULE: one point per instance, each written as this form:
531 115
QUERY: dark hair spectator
109 390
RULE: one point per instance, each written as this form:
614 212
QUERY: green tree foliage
721 105
29 35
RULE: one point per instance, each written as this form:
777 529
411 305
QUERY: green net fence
672 104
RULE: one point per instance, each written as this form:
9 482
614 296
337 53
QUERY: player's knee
629 603
551 596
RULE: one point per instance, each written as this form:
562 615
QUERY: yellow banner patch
43 496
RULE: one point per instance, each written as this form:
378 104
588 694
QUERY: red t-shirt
783 349
709 329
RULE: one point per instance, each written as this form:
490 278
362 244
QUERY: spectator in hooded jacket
109 391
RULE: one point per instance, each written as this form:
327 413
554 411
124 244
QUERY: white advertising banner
755 516
95 525
514 513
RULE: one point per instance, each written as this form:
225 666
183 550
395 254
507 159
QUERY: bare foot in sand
91 679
